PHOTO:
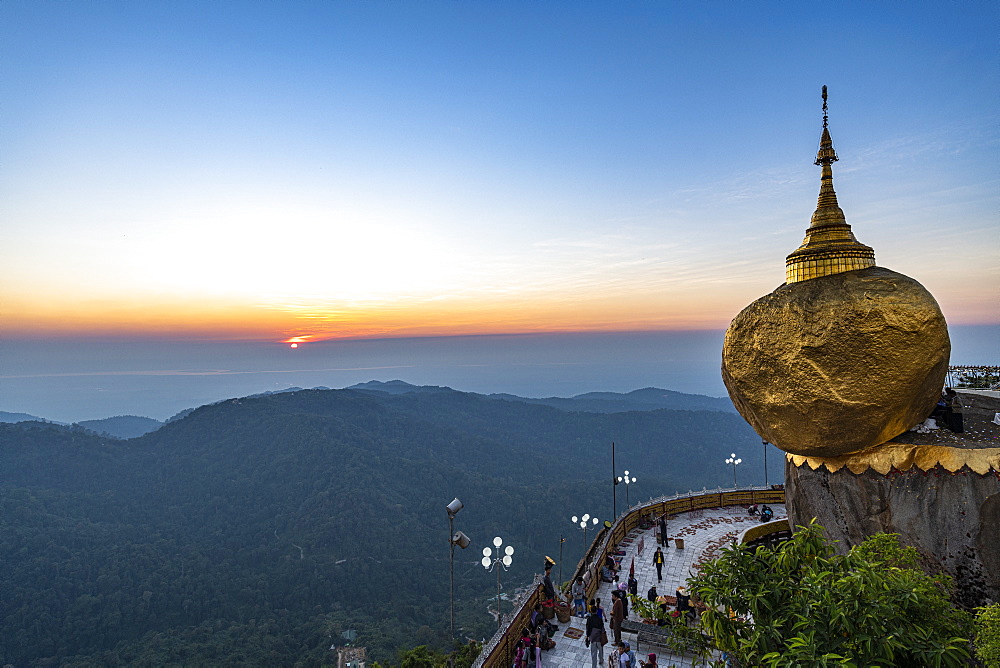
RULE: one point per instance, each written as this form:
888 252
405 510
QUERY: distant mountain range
650 398
253 530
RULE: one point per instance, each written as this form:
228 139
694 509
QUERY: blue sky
341 169
277 171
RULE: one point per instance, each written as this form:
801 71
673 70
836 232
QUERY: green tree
421 657
987 641
803 605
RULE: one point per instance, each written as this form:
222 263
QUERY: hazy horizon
70 381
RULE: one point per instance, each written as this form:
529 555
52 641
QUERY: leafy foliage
804 605
987 642
682 639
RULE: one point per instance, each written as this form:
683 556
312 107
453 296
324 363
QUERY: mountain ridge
308 512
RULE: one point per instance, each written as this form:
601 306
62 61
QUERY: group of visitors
624 657
609 569
764 512
538 636
621 657
535 637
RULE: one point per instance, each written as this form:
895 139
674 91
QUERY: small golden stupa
829 246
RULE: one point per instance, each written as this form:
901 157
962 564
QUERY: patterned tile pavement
704 532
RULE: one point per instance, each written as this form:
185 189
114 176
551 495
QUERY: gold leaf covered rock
837 364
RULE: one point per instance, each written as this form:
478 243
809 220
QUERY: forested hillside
257 530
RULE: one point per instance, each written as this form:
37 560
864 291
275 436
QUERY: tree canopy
802 604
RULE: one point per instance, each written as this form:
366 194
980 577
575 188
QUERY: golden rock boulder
838 363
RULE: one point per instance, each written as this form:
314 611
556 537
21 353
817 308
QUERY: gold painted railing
499 651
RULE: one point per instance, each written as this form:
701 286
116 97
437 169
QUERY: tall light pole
735 462
561 541
495 563
614 485
765 462
628 481
582 522
454 538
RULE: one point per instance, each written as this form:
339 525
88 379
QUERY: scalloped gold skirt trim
903 456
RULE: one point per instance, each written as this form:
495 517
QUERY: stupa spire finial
826 155
829 247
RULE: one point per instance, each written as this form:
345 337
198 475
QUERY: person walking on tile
596 637
617 615
658 560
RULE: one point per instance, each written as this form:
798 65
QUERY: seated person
542 640
537 621
607 575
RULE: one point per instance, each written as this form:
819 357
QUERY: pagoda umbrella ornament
490 562
735 462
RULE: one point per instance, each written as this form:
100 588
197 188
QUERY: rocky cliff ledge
951 516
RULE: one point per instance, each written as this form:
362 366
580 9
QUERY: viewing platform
705 522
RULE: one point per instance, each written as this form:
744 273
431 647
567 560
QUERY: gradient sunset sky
311 170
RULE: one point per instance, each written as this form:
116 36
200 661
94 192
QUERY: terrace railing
499 651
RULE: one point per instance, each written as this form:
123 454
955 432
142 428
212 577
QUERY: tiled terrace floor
704 532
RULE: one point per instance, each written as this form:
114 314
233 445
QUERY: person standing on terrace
658 560
617 615
550 591
579 592
954 416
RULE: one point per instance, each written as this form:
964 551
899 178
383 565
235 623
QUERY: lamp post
582 522
454 538
489 562
735 462
765 462
627 480
561 541
614 485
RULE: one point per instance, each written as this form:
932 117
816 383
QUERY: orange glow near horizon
710 307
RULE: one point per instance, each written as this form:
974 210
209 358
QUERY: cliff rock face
952 519
837 364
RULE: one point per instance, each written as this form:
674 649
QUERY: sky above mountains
315 170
